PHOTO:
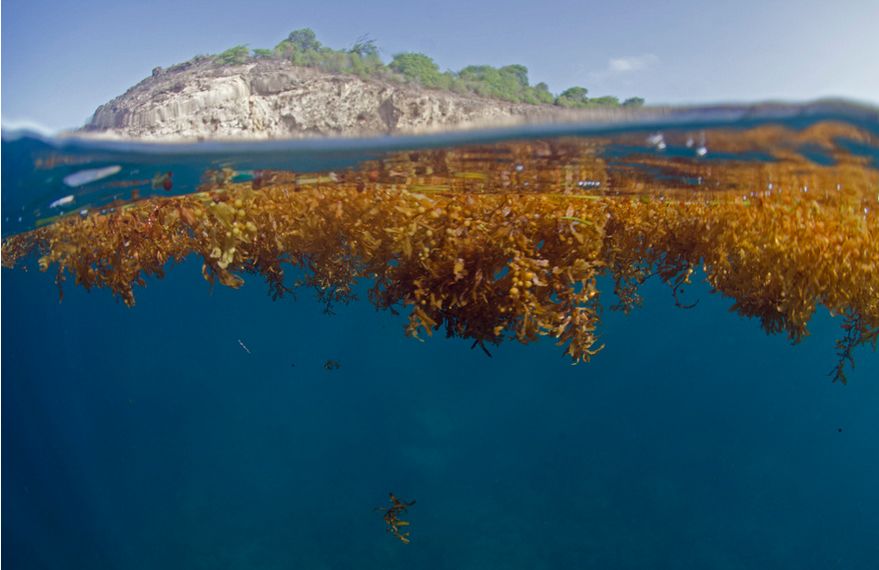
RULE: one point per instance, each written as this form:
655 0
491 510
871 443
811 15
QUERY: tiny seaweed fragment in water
162 180
478 342
331 365
391 517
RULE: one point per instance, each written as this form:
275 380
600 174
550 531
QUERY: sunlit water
200 430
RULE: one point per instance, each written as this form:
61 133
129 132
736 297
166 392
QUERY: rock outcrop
274 99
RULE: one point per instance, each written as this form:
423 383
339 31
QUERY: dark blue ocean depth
148 438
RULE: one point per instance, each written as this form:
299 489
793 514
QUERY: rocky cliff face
273 99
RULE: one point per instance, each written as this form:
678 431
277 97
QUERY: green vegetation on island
509 83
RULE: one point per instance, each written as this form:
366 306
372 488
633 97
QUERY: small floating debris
60 202
657 140
163 180
90 175
331 365
244 347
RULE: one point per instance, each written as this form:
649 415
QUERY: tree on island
364 47
417 66
634 102
573 97
234 56
303 40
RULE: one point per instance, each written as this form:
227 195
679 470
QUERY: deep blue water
149 438
692 441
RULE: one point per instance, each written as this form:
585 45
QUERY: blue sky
60 60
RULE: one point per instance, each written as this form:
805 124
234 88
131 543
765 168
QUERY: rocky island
234 95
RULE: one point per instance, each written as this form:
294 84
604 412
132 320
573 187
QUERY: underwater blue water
693 440
149 438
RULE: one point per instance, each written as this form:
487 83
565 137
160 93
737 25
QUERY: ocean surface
206 429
